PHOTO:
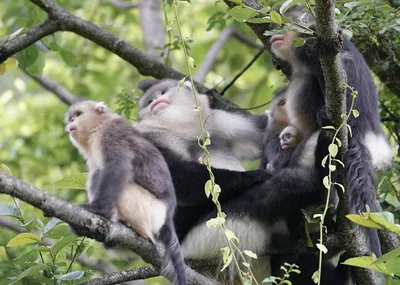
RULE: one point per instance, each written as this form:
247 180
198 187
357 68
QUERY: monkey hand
98 210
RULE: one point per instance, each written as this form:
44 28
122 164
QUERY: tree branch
123 5
247 40
88 224
38 32
123 276
52 86
212 53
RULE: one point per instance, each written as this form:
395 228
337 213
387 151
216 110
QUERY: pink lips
276 38
161 100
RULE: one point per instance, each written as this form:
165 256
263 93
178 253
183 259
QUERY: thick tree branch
212 53
38 32
123 276
88 224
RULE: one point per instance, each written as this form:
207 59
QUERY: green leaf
246 264
298 42
56 229
3 253
333 149
62 243
228 261
367 262
366 222
230 235
326 182
259 20
69 58
382 218
74 181
315 277
215 222
339 142
355 113
30 271
329 128
241 13
22 239
36 69
208 188
4 168
332 168
240 2
8 210
271 279
285 6
27 56
250 254
340 186
225 253
324 160
322 248
276 17
15 34
51 224
286 282
393 254
74 275
349 129
192 64
393 266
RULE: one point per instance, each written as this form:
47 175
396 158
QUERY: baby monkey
281 137
129 180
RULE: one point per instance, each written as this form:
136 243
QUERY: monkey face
282 45
289 137
82 118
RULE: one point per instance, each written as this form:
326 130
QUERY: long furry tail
362 185
174 268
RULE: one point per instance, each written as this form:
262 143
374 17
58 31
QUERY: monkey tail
362 185
174 268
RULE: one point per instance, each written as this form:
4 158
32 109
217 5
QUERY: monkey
234 136
129 179
254 212
368 147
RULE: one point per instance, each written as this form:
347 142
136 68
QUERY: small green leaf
230 235
4 168
298 42
69 58
27 56
332 168
259 20
228 261
192 63
276 17
74 181
74 275
208 188
65 241
326 182
242 13
271 279
340 162
355 113
30 271
22 239
349 129
3 253
181 82
285 6
215 222
393 254
240 2
324 160
286 282
8 210
315 277
339 142
51 224
15 34
322 248
225 253
367 262
250 254
340 186
329 128
333 149
246 264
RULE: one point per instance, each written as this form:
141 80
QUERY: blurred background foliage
35 147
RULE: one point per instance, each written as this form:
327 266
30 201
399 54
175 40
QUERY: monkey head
82 119
166 103
289 137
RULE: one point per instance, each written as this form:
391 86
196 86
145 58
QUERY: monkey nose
71 129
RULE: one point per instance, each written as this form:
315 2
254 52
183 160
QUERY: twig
246 40
58 90
88 224
242 71
123 276
212 53
123 5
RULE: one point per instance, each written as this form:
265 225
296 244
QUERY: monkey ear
146 84
100 107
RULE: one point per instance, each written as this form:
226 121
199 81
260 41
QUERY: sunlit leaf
355 218
62 243
393 254
74 181
23 239
230 235
250 254
74 275
208 188
367 262
31 270
3 253
298 42
8 210
322 248
333 149
326 182
276 17
241 13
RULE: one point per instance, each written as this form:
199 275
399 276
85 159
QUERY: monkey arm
107 184
189 179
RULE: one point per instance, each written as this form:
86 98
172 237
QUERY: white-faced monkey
129 179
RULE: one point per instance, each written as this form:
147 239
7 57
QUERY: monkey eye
283 102
78 113
70 119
